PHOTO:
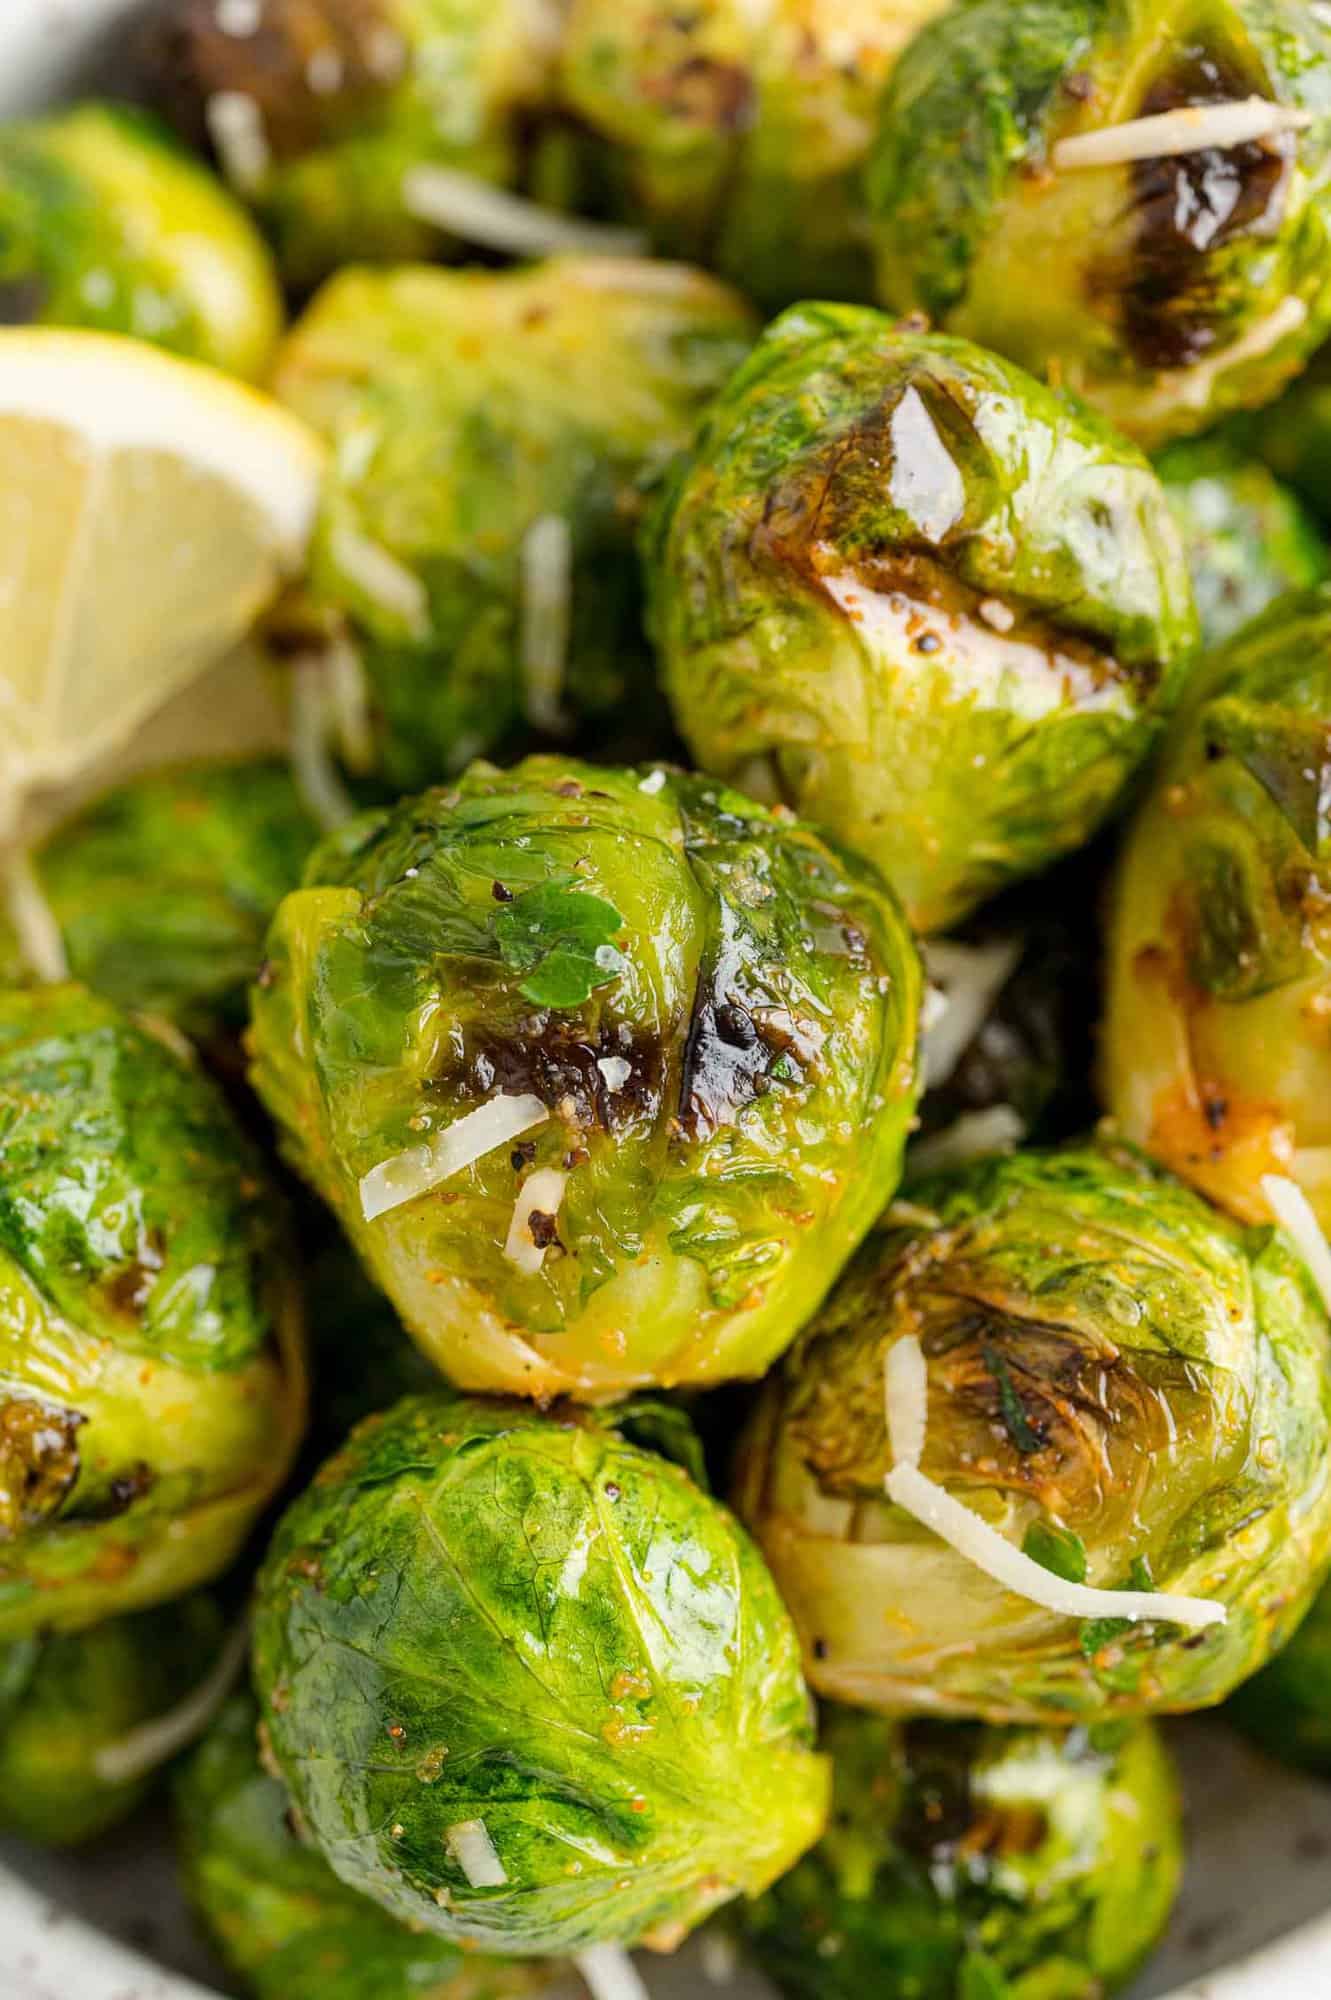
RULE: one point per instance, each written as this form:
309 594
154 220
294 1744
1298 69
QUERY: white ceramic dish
1254 1922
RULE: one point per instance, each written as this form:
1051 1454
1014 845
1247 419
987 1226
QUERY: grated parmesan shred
971 978
546 568
235 127
1297 1217
609 1973
470 1845
378 575
40 941
420 1168
497 219
933 1507
313 769
154 1743
998 1129
541 1193
1191 128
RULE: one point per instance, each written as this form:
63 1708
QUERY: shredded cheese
499 220
470 1845
615 1072
152 1744
546 570
1295 1213
1191 128
40 941
540 1194
971 978
313 770
387 583
420 1168
235 126
906 1385
609 1973
999 1129
349 698
653 783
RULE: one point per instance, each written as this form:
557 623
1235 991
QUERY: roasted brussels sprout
325 113
151 1386
106 222
1033 187
737 135
972 1863
72 1709
1246 537
1287 1707
528 1685
277 1913
1216 1049
493 435
605 1072
936 606
163 888
1122 1383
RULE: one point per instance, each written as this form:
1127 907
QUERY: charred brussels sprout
1217 1053
494 434
1287 1707
324 110
1246 537
72 1709
738 136
1123 1383
106 223
971 1863
277 1913
528 1685
605 1072
937 607
163 888
150 1365
1183 264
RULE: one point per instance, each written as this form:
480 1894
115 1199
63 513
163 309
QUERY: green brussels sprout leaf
1056 1549
560 938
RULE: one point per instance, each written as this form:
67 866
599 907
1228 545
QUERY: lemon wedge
150 510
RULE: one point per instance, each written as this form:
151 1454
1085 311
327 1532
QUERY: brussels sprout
277 1913
1016 200
1287 1707
1216 1055
151 1388
65 1702
1246 537
163 888
694 1016
528 1685
739 135
106 223
972 1863
1124 1383
936 606
320 111
494 432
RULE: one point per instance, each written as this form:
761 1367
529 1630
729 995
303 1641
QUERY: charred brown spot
813 527
736 1040
558 1063
1187 208
311 67
39 1463
543 1228
127 1292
